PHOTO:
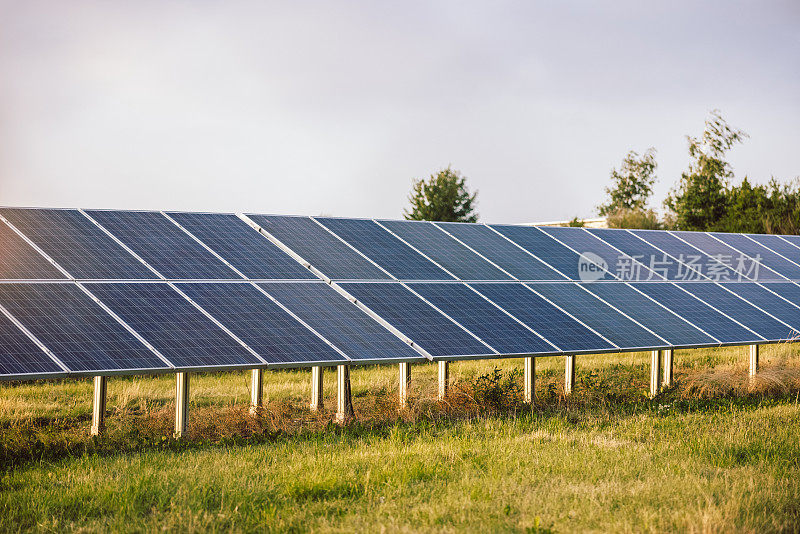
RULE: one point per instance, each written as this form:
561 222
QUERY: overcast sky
334 107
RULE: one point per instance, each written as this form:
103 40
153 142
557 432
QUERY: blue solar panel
341 322
778 244
416 319
20 261
483 319
767 257
380 246
560 329
699 265
544 247
319 247
740 310
741 264
793 239
618 262
614 326
163 245
698 313
75 329
21 356
501 251
242 246
446 251
266 327
172 325
670 327
77 244
770 302
643 252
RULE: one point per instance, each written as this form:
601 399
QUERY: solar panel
582 241
21 356
770 302
675 330
428 328
20 261
501 251
767 257
778 244
242 246
544 247
390 253
698 313
75 329
693 263
266 327
741 264
560 329
446 251
341 322
172 325
483 319
593 312
319 247
77 244
163 245
793 239
740 310
643 252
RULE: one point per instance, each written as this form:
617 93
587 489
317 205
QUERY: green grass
712 454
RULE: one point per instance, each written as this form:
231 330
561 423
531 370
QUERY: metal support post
529 379
753 360
181 403
316 388
405 379
344 399
569 375
668 364
655 372
256 390
444 379
99 406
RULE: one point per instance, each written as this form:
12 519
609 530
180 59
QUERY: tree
442 197
632 185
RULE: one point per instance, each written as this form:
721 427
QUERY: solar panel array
119 292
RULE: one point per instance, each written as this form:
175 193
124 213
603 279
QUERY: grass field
714 453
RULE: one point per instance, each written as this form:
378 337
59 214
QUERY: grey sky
308 108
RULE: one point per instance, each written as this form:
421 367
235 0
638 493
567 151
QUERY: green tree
631 185
442 197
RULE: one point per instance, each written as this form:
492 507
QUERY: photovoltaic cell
726 255
483 319
319 247
384 249
172 325
446 251
664 323
560 329
77 244
593 312
21 356
341 322
267 328
171 251
793 239
699 265
78 331
740 310
20 261
698 313
242 246
644 252
778 244
501 251
770 302
416 319
547 249
767 257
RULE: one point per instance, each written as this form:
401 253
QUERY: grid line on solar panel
483 319
501 251
442 248
242 246
643 252
318 247
163 245
779 245
740 310
610 323
416 319
172 325
386 250
702 266
793 239
561 330
20 261
677 331
582 241
75 328
773 298
266 327
77 244
560 257
19 355
700 314
766 257
341 322
726 255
